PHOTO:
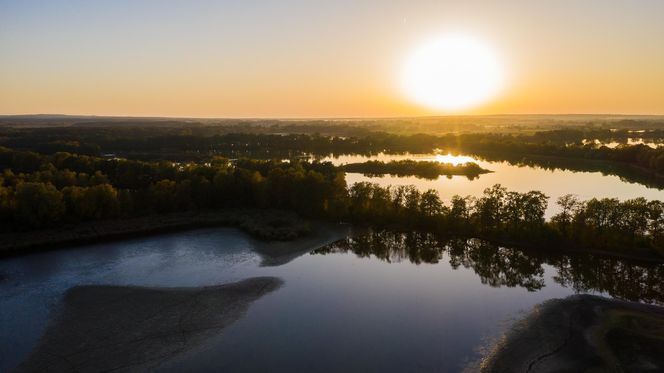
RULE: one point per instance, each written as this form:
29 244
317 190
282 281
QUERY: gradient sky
307 58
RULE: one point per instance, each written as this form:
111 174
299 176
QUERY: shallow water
377 302
553 182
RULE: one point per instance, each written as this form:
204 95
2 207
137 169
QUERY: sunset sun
452 73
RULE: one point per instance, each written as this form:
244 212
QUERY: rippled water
372 302
553 182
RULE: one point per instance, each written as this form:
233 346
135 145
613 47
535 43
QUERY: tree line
200 144
421 169
39 191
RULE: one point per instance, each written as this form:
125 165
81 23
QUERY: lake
374 301
553 182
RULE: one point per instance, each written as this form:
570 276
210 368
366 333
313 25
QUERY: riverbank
280 235
583 333
270 225
275 253
125 328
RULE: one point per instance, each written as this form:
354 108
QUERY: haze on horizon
288 58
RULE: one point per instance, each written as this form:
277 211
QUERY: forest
182 144
47 190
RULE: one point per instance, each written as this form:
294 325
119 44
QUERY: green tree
101 202
569 207
163 196
6 202
38 204
489 208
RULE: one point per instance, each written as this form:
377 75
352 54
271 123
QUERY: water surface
375 301
553 182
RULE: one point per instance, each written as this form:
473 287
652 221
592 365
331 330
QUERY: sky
305 58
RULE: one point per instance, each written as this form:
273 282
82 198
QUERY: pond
374 301
554 182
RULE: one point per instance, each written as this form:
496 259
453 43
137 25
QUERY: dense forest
187 144
45 190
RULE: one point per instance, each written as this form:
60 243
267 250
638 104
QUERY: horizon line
331 118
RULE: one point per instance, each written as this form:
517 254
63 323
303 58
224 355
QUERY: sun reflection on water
453 159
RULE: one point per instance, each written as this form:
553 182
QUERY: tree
430 204
489 208
534 207
163 196
459 213
6 202
74 198
412 203
656 224
513 211
38 204
569 207
101 202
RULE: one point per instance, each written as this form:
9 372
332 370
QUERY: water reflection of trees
626 172
617 277
499 266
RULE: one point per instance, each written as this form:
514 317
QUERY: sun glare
452 73
454 159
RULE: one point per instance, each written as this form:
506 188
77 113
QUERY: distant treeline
47 190
422 169
505 147
186 144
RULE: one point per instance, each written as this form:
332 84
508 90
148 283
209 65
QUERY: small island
421 169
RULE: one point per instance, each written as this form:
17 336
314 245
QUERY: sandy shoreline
126 328
583 333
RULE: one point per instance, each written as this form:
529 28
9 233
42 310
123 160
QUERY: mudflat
583 333
124 328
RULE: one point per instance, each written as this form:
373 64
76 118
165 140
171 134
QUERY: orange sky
304 59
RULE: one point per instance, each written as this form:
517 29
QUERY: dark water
379 302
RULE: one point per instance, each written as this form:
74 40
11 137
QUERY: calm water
630 141
554 183
375 302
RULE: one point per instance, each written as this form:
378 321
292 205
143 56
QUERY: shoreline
285 229
582 333
266 225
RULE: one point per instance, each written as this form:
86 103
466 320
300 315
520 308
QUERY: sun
452 73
